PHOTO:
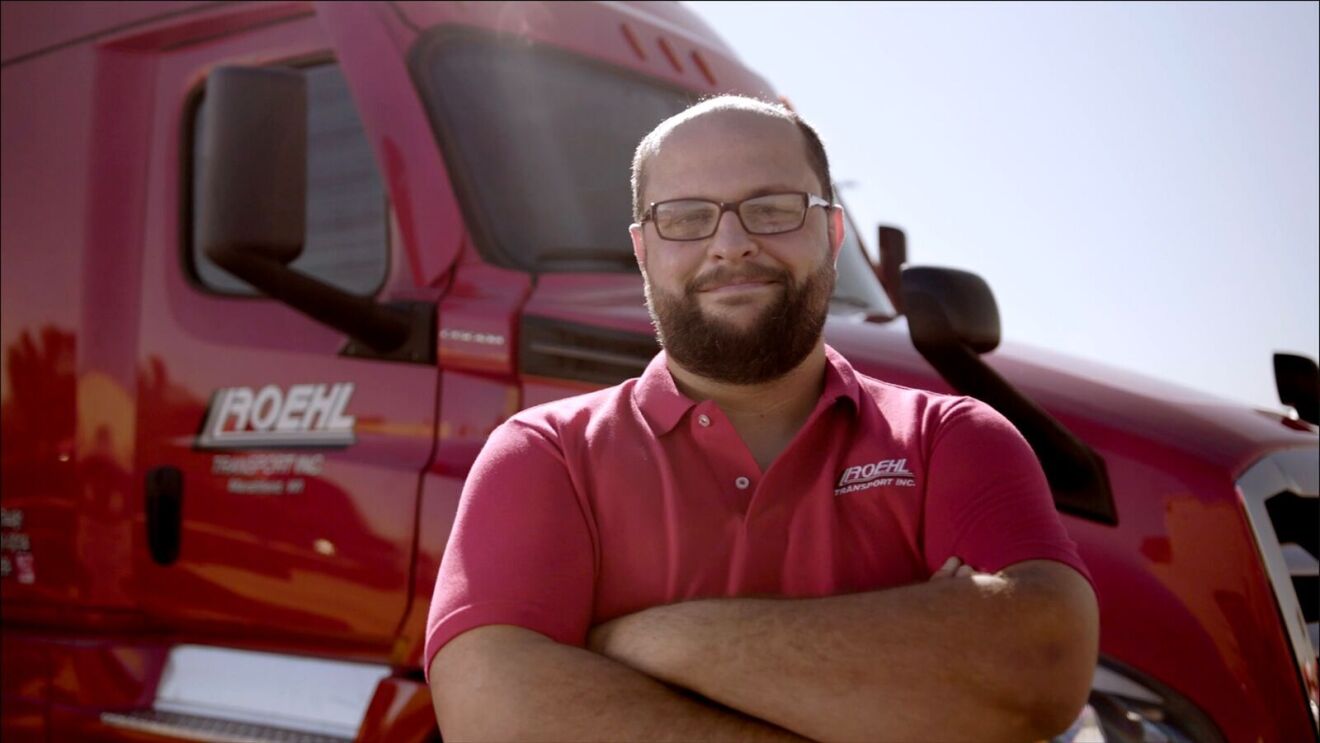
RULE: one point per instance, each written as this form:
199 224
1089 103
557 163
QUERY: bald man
753 540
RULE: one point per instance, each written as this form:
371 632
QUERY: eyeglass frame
733 206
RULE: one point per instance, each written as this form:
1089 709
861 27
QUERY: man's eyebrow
765 190
761 191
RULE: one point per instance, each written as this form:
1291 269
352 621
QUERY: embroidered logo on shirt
874 475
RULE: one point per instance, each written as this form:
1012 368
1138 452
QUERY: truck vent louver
549 347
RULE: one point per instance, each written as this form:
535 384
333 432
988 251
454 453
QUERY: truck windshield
539 143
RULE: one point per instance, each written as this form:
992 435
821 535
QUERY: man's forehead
725 127
737 148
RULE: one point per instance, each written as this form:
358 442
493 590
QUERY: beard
772 345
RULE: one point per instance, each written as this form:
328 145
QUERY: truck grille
1281 496
1295 520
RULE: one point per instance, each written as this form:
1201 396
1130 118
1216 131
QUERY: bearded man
752 540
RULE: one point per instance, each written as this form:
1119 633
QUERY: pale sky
1138 183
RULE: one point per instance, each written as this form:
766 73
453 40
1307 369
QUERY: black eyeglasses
697 219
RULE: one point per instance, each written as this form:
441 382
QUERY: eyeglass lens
695 219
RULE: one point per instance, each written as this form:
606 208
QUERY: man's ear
836 230
639 245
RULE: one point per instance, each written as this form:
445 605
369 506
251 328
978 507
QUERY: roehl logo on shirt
892 472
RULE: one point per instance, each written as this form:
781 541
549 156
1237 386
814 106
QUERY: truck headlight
1127 706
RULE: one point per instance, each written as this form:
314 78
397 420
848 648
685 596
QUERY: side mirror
947 307
254 142
953 318
892 243
252 206
1298 381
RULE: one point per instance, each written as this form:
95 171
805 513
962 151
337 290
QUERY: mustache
721 275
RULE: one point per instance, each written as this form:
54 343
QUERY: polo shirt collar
664 406
840 380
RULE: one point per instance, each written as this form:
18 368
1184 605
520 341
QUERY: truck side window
346 244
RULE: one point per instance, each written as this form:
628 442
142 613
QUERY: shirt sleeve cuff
1025 552
465 618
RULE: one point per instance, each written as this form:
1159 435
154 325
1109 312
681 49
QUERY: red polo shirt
588 508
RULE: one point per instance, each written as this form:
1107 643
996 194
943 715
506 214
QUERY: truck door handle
164 510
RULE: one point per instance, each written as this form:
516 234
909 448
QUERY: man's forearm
508 683
981 658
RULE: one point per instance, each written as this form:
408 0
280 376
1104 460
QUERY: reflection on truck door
286 472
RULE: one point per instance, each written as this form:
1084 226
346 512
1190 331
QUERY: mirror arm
378 326
1077 474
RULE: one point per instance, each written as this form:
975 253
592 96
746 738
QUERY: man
752 540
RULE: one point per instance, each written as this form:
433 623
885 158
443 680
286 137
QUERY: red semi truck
273 271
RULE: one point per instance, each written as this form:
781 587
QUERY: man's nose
731 241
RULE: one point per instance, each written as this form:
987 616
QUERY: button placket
727 454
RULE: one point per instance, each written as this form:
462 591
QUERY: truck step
213 730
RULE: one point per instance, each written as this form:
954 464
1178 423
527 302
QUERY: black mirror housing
892 246
1297 379
253 209
947 307
254 141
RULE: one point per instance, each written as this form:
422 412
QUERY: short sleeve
987 499
520 551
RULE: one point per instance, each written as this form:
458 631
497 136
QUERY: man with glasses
753 540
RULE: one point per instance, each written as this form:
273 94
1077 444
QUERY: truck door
279 471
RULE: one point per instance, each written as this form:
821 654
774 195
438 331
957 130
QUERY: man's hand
966 655
953 568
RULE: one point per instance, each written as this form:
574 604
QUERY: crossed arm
980 657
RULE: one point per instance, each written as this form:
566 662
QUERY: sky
1138 183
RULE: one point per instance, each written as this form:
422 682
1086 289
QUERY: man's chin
741 320
741 307
743 337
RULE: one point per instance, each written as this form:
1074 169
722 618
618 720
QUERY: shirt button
742 483
704 420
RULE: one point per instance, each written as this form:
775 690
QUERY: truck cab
272 272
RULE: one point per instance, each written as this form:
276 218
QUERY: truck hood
1089 396
1097 402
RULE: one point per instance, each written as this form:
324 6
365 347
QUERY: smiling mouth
743 285
744 280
